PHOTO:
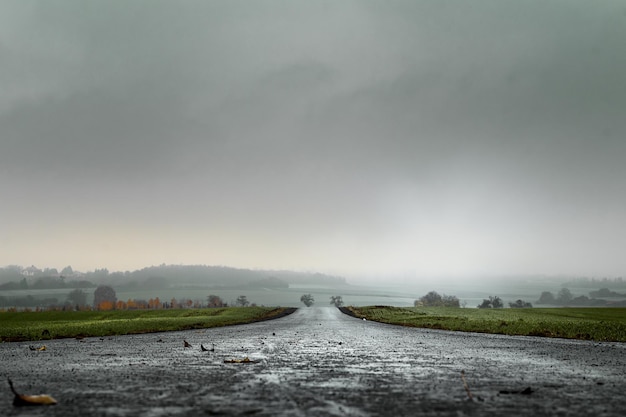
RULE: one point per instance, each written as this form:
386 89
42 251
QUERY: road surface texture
317 362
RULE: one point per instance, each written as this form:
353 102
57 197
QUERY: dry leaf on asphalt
21 399
40 348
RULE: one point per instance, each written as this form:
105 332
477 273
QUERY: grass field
29 326
600 324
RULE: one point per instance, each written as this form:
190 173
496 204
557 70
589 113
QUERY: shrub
434 299
307 299
492 302
520 304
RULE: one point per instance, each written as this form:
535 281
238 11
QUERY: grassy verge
601 324
23 326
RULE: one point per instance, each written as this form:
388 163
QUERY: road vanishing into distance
317 362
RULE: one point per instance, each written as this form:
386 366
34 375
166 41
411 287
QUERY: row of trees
496 302
565 298
434 299
45 283
105 298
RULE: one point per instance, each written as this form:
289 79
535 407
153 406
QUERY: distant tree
67 271
433 299
11 273
242 301
48 282
492 302
77 298
50 272
565 296
605 292
336 300
546 298
82 284
520 304
99 274
485 304
104 294
8 286
214 301
307 299
496 302
450 301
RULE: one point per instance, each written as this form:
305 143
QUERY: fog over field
400 142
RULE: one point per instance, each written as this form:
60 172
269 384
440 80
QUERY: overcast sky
362 138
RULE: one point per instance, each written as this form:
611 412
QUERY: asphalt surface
317 362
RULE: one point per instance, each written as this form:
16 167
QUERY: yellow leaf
22 400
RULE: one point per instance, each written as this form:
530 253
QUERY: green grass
28 326
601 324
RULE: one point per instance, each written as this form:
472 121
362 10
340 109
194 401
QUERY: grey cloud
367 121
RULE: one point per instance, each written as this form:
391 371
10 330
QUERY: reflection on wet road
319 362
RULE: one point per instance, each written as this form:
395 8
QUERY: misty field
600 324
29 326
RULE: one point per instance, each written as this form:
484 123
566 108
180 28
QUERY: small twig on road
469 393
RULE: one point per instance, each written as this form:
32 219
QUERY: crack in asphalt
318 362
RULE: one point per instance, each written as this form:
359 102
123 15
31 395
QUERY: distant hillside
202 275
162 276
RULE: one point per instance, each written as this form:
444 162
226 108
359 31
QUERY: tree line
105 298
434 299
564 297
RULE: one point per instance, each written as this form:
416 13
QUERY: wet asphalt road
318 362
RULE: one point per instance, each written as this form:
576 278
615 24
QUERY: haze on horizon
361 138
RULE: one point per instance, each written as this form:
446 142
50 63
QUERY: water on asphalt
317 362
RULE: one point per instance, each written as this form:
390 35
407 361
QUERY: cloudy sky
363 138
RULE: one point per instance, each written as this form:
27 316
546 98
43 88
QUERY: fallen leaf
40 348
23 400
